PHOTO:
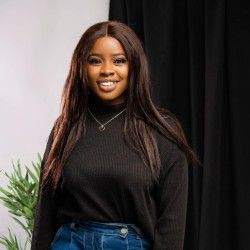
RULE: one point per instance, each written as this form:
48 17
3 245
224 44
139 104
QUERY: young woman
115 172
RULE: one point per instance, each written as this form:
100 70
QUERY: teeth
106 83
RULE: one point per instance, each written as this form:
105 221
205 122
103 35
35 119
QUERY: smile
107 83
107 86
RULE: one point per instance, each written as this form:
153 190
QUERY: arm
46 210
171 220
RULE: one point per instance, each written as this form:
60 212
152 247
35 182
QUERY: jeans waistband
100 227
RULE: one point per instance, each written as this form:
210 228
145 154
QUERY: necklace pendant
101 128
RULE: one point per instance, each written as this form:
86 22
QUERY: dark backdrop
199 56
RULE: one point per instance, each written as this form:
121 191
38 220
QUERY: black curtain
199 56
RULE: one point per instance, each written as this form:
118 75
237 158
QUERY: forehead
107 45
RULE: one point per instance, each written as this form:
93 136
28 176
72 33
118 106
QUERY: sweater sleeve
173 193
46 210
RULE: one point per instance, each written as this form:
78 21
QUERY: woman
114 173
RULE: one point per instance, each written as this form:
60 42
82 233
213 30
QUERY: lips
107 85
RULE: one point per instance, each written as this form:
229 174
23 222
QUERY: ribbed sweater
104 180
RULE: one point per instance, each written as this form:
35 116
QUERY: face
108 70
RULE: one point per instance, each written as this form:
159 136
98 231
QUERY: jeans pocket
115 241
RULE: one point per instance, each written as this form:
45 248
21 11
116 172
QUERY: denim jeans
92 235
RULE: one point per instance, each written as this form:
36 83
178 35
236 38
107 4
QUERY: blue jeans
98 236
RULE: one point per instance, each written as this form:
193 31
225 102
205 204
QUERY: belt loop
72 225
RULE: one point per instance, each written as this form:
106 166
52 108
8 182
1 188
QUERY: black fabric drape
199 56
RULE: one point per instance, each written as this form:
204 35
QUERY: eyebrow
115 54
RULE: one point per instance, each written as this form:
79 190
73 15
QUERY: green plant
20 197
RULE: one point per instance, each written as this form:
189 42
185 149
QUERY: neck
97 106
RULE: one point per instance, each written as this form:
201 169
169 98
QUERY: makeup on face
108 70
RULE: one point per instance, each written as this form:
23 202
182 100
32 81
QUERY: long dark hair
141 118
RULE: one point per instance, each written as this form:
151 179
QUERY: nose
106 69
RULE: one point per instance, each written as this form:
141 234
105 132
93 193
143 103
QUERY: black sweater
104 180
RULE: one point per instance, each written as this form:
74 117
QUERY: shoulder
173 125
168 149
172 120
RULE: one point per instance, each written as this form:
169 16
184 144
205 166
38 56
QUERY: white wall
37 39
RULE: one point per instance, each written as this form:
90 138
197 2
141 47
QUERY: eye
94 61
120 60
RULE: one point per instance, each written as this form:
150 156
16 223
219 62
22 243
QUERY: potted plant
20 198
